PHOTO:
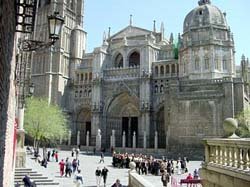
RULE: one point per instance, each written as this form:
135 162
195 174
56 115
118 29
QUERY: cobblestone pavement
88 165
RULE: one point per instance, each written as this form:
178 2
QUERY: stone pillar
69 138
124 139
111 141
144 140
78 138
129 132
134 140
156 140
98 140
113 138
87 139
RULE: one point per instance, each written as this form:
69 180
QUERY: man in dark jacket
117 184
104 175
27 182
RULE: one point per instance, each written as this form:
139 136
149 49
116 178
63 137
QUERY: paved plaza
88 165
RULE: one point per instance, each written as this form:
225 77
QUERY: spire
131 20
243 57
154 27
171 39
203 2
104 36
162 30
109 32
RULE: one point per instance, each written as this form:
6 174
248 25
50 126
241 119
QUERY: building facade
140 87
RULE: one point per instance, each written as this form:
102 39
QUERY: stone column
69 138
113 138
111 141
124 139
87 139
156 140
129 132
78 138
98 140
134 140
144 140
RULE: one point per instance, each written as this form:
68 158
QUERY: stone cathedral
140 84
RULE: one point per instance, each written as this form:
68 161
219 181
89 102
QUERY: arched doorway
160 128
123 116
83 124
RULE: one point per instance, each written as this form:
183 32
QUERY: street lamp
55 23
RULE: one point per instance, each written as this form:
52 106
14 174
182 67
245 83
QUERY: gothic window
89 93
80 94
167 69
156 89
85 93
224 63
134 59
119 61
76 93
90 76
81 77
156 70
161 89
206 60
86 76
173 68
162 70
197 63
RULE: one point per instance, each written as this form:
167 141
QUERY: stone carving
203 2
230 125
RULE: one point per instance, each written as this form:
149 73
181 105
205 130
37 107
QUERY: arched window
80 94
76 93
156 70
89 93
162 70
161 89
134 59
173 68
119 61
86 76
85 93
90 76
78 78
197 63
167 69
156 89
206 61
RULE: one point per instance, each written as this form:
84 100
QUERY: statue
203 2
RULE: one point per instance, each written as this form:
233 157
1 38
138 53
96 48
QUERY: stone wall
7 91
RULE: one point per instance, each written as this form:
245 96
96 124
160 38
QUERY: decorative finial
203 2
171 39
104 36
130 20
162 30
154 27
243 57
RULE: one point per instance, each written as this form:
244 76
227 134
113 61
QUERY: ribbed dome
204 15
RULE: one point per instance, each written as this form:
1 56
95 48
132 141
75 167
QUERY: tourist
98 174
165 178
62 164
48 156
102 157
74 165
56 156
196 175
104 175
189 177
77 152
68 167
117 183
73 152
27 181
78 179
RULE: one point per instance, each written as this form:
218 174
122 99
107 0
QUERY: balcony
227 163
121 73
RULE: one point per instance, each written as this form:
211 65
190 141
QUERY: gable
130 31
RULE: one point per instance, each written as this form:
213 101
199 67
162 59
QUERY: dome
204 15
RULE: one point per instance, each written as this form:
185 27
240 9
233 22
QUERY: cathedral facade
139 84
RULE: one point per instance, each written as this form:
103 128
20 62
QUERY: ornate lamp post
55 23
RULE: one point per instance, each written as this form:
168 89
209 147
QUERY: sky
101 14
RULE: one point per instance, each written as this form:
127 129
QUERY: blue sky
101 14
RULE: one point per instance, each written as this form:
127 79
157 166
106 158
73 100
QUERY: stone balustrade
135 180
229 158
114 73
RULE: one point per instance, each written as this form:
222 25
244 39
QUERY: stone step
24 173
32 177
23 169
47 184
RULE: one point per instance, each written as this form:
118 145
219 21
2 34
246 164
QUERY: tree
44 122
244 123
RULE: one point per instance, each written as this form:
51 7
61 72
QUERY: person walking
104 175
27 182
78 178
62 165
165 178
98 174
74 165
117 183
102 158
48 156
68 169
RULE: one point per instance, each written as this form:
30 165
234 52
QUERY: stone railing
228 156
135 180
116 73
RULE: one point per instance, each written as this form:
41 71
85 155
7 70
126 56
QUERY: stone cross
156 140
134 140
124 139
69 138
78 138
